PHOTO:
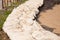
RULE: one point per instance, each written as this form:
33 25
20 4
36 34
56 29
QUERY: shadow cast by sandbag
49 4
48 28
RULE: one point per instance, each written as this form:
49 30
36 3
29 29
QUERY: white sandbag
20 25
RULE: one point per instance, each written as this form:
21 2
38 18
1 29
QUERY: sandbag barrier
20 25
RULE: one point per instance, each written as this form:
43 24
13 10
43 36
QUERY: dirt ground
3 35
51 18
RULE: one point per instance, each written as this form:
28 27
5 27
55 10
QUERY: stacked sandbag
20 24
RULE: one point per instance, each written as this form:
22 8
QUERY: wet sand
51 18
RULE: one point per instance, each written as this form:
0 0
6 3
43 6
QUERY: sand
51 18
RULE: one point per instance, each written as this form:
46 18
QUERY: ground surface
51 18
3 36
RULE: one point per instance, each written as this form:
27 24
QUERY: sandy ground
51 18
